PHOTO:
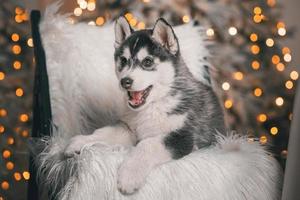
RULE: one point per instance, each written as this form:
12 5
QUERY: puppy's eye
148 62
123 61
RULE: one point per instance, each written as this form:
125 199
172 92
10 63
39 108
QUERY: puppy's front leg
119 134
148 153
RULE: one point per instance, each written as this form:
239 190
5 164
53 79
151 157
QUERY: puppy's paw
130 178
75 145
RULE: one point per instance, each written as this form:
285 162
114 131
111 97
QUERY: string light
238 76
83 5
271 3
281 31
15 37
225 86
285 50
280 67
185 18
279 101
255 65
10 141
26 175
262 117
257 10
10 165
91 6
23 117
3 112
294 75
30 42
5 185
25 133
255 49
210 32
6 154
257 18
77 12
128 16
2 129
17 65
16 49
228 104
19 92
133 22
270 42
100 21
287 57
289 84
253 37
280 25
232 31
263 139
257 92
275 59
17 176
2 76
274 130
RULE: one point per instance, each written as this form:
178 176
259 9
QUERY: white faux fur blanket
85 95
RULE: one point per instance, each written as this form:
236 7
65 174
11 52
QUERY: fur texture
85 95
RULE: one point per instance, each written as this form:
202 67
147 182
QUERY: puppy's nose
126 82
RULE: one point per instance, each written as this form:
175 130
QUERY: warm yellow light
83 4
19 92
285 50
210 32
226 86
5 185
275 59
185 18
257 10
281 31
2 76
271 3
6 154
26 175
287 57
146 1
257 92
257 18
294 75
100 21
280 67
3 112
141 25
274 130
91 6
23 117
253 37
280 25
10 140
18 19
263 139
228 103
25 133
238 76
10 165
16 49
17 176
255 49
24 16
232 31
2 129
133 22
262 117
270 42
92 23
128 16
30 42
19 10
255 65
77 12
279 101
15 37
17 65
289 85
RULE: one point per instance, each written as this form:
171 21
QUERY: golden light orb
228 103
185 18
281 31
6 154
238 76
262 117
77 12
5 185
10 141
280 25
2 129
3 112
274 130
26 175
18 19
15 37
294 75
2 76
253 37
83 5
16 49
17 65
30 42
128 16
232 31
210 32
24 117
289 84
279 101
270 42
10 165
285 50
19 92
257 18
257 10
25 133
287 57
133 22
100 21
255 49
255 65
257 92
263 139
280 67
17 176
271 3
91 6
275 59
225 86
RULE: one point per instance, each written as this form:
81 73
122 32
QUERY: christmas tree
250 74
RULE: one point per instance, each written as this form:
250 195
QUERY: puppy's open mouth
138 98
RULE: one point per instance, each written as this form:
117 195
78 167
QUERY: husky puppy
170 113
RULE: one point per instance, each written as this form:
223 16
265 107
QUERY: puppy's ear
122 31
164 35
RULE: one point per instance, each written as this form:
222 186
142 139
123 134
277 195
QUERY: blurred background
255 66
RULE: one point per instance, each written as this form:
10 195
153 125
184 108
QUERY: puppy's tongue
136 97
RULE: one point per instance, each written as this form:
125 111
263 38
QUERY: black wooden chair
42 122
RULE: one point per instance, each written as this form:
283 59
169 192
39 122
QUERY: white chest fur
155 120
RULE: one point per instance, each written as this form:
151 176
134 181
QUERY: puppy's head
145 61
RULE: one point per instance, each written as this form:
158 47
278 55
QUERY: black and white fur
178 115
